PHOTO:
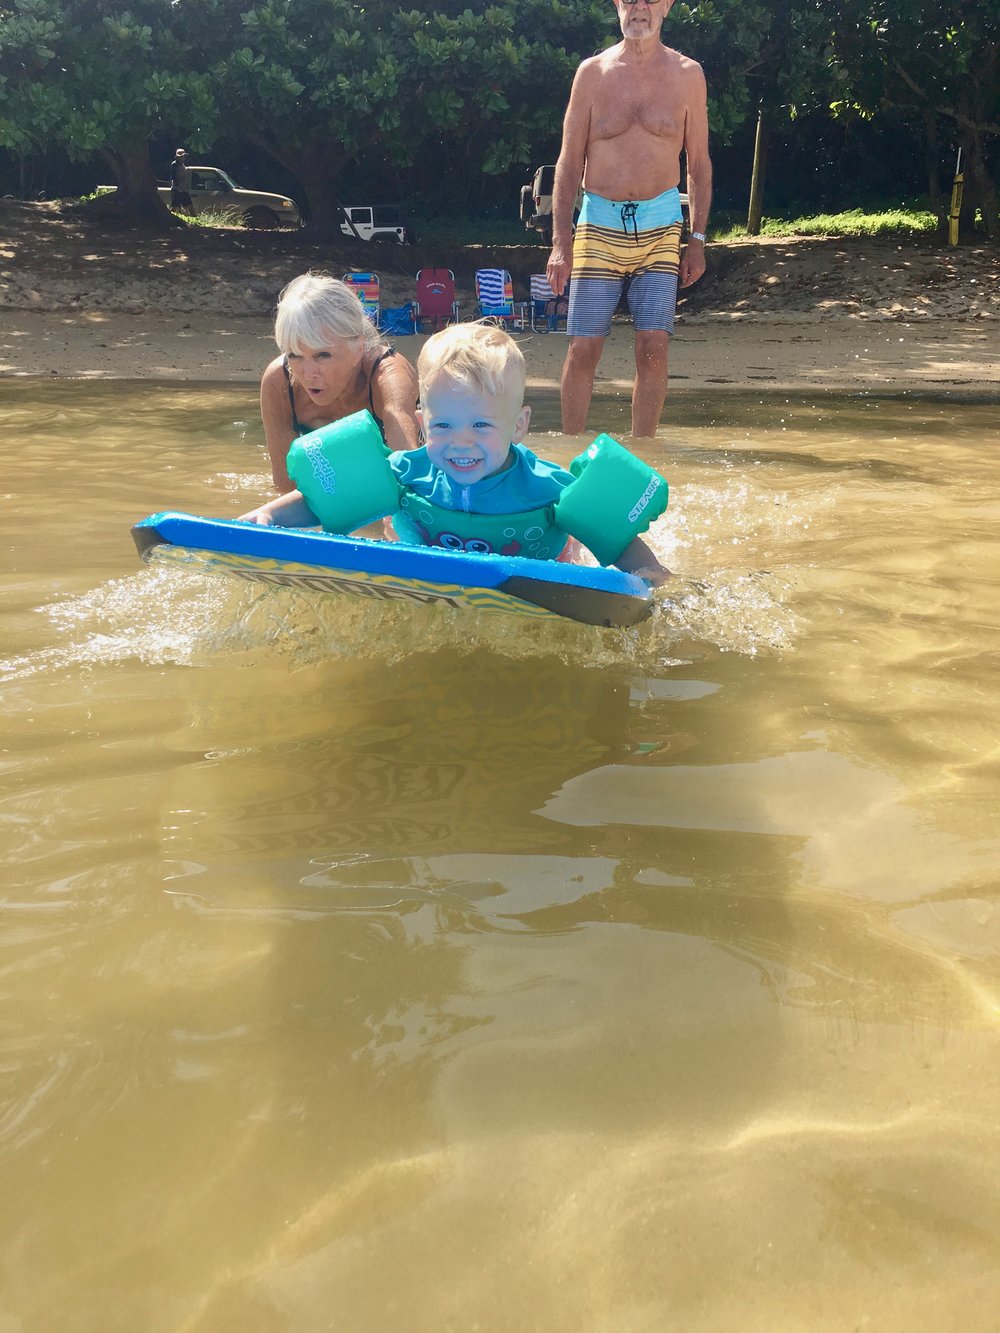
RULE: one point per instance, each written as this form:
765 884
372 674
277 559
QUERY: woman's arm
287 511
276 414
394 393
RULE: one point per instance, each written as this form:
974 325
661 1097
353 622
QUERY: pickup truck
536 203
214 191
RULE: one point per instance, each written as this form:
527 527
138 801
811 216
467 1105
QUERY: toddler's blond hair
481 356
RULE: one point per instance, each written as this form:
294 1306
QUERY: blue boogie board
300 558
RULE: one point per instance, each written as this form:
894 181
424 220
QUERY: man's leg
649 391
582 358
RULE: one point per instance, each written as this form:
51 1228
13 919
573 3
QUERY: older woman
333 362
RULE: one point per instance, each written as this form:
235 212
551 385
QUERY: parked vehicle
214 191
536 203
376 222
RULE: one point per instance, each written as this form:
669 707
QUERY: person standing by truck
180 185
633 110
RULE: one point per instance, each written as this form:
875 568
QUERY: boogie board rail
305 558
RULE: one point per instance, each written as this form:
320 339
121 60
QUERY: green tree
101 76
770 60
323 85
939 64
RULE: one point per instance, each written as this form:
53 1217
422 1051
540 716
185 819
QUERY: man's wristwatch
698 236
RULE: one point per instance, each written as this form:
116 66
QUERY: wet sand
78 300
959 357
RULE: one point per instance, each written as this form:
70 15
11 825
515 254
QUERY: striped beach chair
545 308
367 289
495 295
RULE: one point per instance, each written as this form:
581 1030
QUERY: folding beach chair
495 294
435 303
546 309
367 289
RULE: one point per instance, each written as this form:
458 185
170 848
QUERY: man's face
641 19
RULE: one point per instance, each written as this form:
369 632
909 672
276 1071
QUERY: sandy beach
800 315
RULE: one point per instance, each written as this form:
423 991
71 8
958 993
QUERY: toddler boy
474 485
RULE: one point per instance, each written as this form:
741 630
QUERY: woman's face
329 372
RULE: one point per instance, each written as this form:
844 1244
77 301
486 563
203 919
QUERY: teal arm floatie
343 473
615 497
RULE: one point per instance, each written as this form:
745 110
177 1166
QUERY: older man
632 111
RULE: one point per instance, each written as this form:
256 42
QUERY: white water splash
183 617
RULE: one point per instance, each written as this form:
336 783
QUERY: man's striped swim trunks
616 241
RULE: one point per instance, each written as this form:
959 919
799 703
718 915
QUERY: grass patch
505 229
211 218
854 222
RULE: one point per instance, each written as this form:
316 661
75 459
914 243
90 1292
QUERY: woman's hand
260 516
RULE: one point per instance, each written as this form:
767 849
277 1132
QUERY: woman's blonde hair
479 355
315 307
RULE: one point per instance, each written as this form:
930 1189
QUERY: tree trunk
983 191
939 201
755 210
325 211
136 197
318 167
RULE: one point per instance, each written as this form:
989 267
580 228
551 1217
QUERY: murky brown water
392 969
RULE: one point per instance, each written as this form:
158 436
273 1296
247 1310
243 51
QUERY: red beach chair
435 301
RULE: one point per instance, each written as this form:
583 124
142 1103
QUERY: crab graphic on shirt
451 541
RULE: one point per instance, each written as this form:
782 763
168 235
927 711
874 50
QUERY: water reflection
341 949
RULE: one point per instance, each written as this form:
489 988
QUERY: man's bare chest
648 107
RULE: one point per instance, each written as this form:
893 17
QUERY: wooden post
956 202
757 179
